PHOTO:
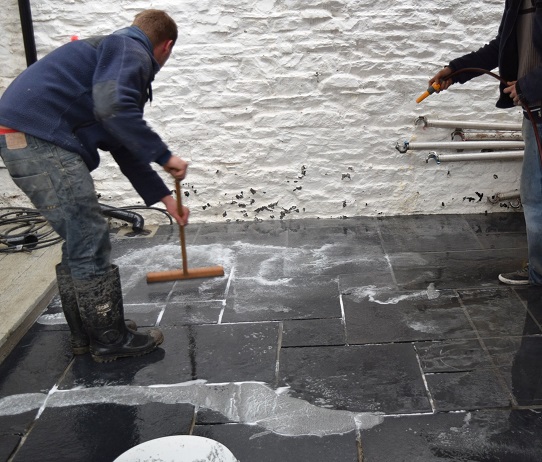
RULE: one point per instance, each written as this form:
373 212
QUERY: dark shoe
102 312
517 278
79 339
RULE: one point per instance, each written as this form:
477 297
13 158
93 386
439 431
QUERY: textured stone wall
292 108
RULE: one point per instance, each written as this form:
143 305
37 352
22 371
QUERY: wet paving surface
362 340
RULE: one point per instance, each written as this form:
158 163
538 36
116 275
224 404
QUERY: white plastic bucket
182 448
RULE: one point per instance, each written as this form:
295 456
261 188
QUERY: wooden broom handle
181 228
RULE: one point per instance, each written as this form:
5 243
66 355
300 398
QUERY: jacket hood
137 34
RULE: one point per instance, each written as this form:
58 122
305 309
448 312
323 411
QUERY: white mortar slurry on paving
167 257
52 319
371 292
249 403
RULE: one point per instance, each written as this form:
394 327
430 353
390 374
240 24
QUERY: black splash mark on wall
269 208
472 199
285 212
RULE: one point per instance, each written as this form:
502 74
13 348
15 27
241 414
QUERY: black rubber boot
102 312
79 339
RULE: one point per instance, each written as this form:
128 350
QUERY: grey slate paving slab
374 378
333 259
8 444
487 435
423 233
454 270
36 363
452 356
498 312
253 443
382 316
307 297
72 433
313 332
476 389
184 313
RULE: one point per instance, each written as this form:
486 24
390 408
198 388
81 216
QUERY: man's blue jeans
531 198
60 186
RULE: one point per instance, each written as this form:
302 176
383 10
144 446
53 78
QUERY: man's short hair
157 25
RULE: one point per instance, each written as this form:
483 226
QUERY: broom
185 273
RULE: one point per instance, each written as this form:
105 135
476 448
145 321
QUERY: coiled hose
25 229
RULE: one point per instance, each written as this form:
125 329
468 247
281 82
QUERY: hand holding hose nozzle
441 81
432 89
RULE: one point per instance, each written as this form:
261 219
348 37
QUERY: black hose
144 207
122 214
25 229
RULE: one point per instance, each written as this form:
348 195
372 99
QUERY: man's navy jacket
502 52
88 95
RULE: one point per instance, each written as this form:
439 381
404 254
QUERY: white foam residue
432 293
271 261
267 282
52 319
19 404
426 327
250 403
373 294
167 257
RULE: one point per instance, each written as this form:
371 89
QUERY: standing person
517 52
84 96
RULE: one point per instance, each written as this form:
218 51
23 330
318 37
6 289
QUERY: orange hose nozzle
432 89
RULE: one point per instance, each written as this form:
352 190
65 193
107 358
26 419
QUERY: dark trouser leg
531 198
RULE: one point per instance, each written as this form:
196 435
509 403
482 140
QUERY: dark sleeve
120 83
486 58
141 175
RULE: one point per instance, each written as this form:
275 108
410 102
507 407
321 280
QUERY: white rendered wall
292 108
